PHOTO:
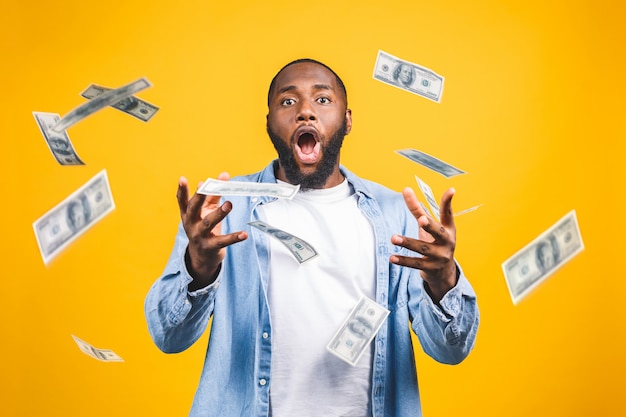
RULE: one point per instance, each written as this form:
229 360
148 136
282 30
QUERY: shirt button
265 335
254 200
262 382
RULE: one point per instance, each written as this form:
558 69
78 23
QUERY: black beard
317 179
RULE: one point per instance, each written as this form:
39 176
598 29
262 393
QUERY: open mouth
307 145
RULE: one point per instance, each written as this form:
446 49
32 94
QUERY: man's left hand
436 243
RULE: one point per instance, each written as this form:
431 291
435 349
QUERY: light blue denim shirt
236 378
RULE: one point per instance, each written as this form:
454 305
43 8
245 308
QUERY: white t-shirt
309 302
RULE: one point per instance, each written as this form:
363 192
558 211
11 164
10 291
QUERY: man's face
307 121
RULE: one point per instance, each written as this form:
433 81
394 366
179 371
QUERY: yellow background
532 110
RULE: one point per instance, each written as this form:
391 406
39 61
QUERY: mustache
330 157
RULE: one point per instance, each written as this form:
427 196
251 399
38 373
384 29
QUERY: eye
323 100
287 102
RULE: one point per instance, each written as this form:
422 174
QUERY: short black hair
312 61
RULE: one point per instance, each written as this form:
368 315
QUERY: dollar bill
432 202
239 188
104 355
98 103
132 105
408 76
358 330
542 257
430 162
469 210
430 197
60 226
58 143
300 249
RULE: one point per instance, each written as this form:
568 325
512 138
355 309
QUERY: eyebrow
322 87
315 87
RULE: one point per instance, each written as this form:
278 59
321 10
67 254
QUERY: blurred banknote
469 210
358 330
60 226
543 256
59 143
300 249
239 188
105 355
430 162
408 76
130 105
430 197
432 201
98 103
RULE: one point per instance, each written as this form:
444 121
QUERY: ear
348 121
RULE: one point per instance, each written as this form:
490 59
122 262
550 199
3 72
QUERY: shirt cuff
204 290
450 304
187 279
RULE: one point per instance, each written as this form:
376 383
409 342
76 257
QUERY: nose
305 112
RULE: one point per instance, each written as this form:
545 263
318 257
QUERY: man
273 317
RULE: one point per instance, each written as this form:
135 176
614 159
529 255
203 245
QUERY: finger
194 207
427 264
182 195
216 216
223 241
411 262
445 212
413 204
224 176
414 245
432 227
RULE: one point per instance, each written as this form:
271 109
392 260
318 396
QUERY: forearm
175 318
447 330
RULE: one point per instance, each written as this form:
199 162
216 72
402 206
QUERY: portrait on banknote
279 234
404 74
78 213
547 253
360 327
60 146
127 104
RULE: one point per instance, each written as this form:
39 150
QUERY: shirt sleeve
176 317
447 332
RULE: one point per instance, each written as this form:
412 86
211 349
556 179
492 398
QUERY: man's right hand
201 216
